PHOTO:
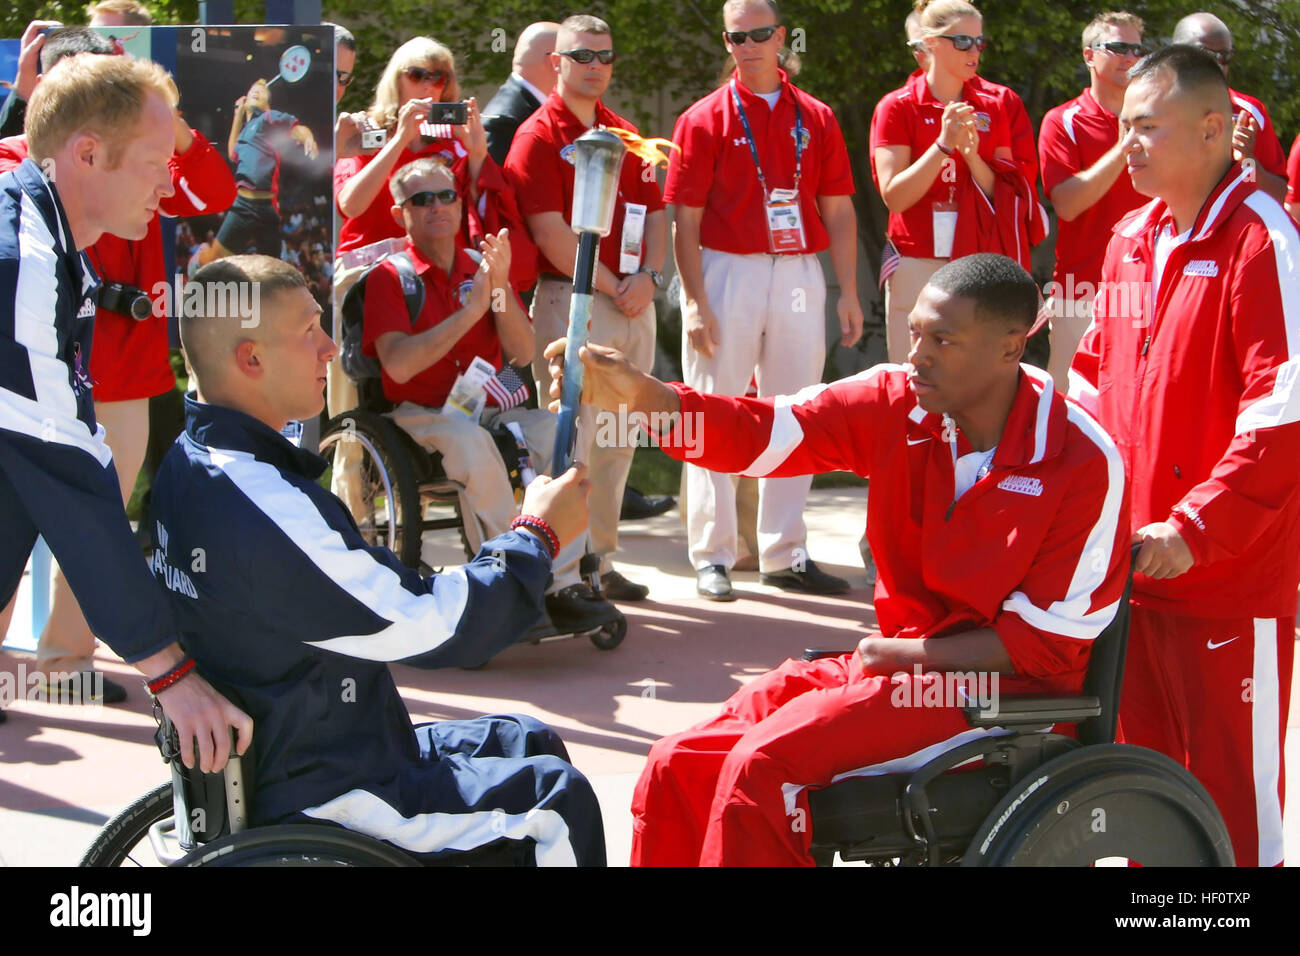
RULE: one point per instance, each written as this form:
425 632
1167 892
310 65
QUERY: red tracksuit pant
1214 695
733 790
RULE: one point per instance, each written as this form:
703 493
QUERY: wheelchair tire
118 844
1099 802
611 635
390 496
297 845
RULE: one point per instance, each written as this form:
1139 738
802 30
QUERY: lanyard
753 150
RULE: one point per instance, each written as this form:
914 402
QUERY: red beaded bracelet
159 684
539 525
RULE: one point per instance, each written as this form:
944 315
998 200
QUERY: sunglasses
343 77
586 56
420 75
964 41
1116 48
443 197
758 35
1223 56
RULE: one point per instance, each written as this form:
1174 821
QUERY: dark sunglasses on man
420 75
964 41
343 77
427 197
1223 56
586 56
1116 48
758 35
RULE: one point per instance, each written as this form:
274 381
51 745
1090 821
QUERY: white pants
470 456
1070 319
771 312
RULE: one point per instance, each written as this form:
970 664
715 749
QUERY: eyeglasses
964 41
343 77
586 56
420 75
1223 56
1115 48
443 197
758 35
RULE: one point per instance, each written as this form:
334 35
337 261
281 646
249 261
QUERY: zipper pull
949 514
1146 344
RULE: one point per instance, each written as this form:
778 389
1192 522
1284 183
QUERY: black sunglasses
964 41
420 75
1122 49
343 77
586 56
428 197
758 35
1223 56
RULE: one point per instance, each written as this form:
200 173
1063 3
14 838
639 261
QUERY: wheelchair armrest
817 653
1033 711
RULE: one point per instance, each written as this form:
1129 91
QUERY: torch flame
647 150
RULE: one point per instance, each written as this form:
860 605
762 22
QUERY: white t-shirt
967 470
770 98
1166 242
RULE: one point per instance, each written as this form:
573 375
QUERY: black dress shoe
618 588
576 608
637 506
84 688
712 582
810 580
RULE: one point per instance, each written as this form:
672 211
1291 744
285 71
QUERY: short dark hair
69 41
1195 71
585 23
1001 290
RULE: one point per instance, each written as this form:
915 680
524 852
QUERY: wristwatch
656 277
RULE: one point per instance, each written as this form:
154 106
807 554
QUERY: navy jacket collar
218 427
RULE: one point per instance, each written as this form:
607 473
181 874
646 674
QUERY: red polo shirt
377 222
1293 174
911 116
1073 137
540 168
443 294
1268 148
715 169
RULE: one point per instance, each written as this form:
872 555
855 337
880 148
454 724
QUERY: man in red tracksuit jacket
998 520
1192 363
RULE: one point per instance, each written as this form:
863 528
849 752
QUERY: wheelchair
404 492
1028 797
199 819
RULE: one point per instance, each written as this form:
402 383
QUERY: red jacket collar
462 267
920 89
752 99
565 117
1220 204
1035 428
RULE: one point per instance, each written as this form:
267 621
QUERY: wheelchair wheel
1100 802
611 635
124 841
297 845
388 497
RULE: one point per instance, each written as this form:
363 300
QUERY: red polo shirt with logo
715 169
911 116
386 311
1075 136
540 168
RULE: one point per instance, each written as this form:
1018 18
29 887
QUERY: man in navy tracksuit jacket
56 476
285 607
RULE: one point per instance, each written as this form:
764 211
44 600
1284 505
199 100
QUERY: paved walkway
65 770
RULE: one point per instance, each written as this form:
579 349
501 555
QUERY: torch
598 156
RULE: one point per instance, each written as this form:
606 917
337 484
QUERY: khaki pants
772 313
341 396
470 457
607 463
1070 319
901 292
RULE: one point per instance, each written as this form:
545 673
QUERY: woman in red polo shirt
936 136
420 73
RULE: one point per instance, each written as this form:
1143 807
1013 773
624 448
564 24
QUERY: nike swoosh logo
918 441
1212 646
1130 257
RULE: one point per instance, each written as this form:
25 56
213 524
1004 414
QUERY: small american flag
507 389
889 260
